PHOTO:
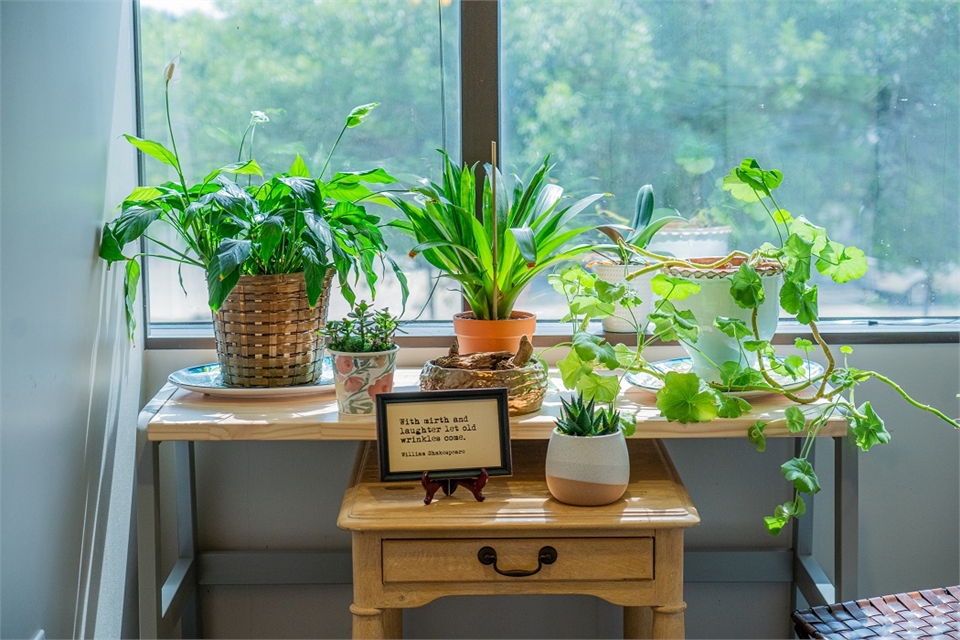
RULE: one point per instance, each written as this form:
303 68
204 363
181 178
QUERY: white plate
809 371
206 379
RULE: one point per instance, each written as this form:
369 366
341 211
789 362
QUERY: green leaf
868 428
733 327
591 347
682 399
746 287
572 368
800 472
628 424
600 388
110 249
783 513
782 217
798 253
846 349
756 437
732 406
801 301
131 278
299 168
805 345
796 420
359 113
762 346
671 288
154 150
851 263
643 211
736 376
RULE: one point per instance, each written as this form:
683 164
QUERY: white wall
260 496
70 382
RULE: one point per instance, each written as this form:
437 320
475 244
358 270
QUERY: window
306 65
856 102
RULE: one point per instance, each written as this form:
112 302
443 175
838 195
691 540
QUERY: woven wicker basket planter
267 334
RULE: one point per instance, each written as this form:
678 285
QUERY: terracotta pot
587 471
615 273
714 347
475 336
359 377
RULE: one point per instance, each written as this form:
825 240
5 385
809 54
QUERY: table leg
637 622
148 535
846 518
368 623
668 621
393 623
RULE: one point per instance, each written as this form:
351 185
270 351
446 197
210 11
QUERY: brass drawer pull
488 555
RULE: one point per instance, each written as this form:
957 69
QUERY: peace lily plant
687 397
289 223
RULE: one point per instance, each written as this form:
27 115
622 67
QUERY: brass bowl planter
526 385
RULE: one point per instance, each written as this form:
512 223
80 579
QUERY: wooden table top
654 498
178 414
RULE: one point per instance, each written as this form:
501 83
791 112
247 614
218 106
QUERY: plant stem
918 405
173 142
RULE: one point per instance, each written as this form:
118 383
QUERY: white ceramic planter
614 273
359 377
587 471
714 347
690 243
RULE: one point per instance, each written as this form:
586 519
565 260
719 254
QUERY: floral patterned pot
359 377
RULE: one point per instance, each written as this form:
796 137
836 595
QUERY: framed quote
450 434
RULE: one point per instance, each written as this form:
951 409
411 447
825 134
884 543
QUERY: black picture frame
460 418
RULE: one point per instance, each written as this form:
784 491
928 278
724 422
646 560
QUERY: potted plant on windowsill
364 355
685 396
521 232
269 251
619 261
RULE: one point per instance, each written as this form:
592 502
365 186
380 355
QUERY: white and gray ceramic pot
587 471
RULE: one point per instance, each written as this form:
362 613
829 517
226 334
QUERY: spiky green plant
493 256
586 419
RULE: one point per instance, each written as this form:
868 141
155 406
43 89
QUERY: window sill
440 334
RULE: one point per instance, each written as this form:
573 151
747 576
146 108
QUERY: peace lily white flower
172 72
257 117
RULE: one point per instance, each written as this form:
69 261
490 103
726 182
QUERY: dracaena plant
685 397
288 224
493 256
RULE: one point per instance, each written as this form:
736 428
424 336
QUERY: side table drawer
431 560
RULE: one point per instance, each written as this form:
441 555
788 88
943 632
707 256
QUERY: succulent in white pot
587 460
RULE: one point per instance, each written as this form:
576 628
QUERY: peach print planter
359 377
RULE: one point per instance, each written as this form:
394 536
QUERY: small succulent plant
585 419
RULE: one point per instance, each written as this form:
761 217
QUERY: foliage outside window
857 102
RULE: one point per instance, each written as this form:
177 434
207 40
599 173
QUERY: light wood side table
630 553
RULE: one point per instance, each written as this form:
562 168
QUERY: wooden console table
181 418
406 554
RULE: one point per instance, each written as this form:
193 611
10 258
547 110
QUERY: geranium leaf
800 472
746 287
868 428
682 399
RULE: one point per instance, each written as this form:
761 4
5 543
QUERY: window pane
306 65
855 102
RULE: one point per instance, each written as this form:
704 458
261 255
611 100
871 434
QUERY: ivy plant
685 397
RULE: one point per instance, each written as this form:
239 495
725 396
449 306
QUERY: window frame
480 107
